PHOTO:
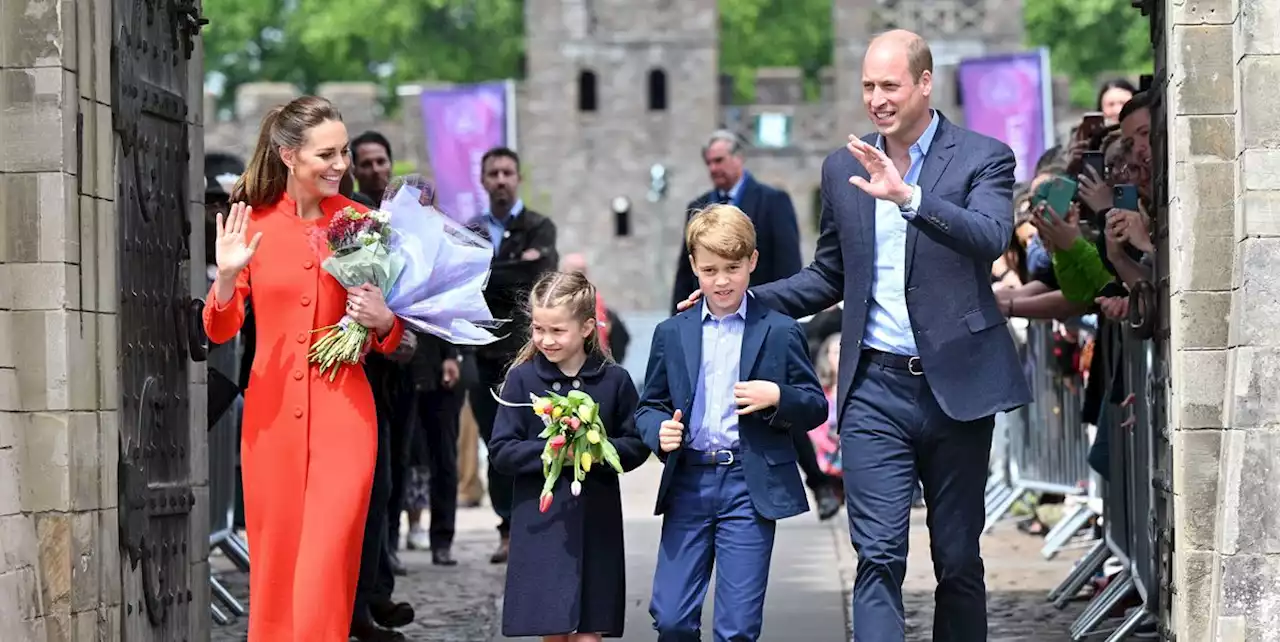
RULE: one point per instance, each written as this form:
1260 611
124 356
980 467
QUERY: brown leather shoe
504 549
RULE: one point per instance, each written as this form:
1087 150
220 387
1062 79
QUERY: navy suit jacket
777 236
964 222
773 349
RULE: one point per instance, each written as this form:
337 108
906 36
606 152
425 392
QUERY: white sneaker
417 539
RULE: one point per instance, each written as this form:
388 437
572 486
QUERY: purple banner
461 124
1007 97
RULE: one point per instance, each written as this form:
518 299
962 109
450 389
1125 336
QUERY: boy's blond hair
722 230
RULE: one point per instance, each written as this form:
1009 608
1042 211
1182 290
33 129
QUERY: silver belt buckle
727 452
914 367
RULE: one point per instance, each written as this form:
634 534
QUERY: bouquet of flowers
575 437
431 269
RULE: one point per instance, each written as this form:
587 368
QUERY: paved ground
808 594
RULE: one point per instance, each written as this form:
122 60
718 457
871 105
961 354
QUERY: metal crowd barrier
1046 450
224 438
1131 529
1047 445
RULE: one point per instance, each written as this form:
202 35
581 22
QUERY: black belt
709 457
896 361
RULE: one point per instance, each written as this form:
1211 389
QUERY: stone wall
1224 244
59 557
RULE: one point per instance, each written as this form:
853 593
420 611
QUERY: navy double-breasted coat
567 570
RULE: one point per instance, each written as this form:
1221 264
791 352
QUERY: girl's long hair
573 291
265 178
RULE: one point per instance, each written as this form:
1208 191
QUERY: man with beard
393 393
524 247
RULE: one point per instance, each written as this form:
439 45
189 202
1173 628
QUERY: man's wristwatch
905 204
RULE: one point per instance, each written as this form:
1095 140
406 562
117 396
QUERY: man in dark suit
778 235
927 360
524 247
769 208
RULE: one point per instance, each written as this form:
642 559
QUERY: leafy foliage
308 42
1088 38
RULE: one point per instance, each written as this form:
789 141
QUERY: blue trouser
894 435
709 523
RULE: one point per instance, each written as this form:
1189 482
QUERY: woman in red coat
308 444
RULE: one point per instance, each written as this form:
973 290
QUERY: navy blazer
773 349
777 236
964 223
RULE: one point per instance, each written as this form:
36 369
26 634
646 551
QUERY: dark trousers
485 408
377 581
893 436
438 416
711 524
403 435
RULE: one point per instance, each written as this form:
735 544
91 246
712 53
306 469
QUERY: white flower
365 237
575 488
381 216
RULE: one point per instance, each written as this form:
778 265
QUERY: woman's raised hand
230 250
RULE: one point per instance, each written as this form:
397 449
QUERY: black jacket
777 236
512 277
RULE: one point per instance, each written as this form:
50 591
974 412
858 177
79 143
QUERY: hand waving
230 250
885 182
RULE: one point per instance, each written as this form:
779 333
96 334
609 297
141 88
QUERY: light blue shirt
498 227
714 424
888 324
735 192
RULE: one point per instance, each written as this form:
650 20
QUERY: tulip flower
542 406
557 442
544 502
593 436
586 462
575 488
586 412
574 423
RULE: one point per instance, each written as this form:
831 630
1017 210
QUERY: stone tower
618 96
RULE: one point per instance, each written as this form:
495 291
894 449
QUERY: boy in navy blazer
727 383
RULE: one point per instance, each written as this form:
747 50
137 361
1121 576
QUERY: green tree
308 42
1087 38
768 33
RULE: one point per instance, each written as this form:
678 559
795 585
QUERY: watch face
621 204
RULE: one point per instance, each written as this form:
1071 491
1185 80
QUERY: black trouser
437 441
403 436
807 457
485 409
377 581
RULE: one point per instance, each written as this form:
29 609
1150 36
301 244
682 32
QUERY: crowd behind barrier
1045 451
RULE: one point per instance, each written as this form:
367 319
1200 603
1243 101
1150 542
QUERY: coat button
556 386
307 265
297 375
302 337
306 300
576 384
297 412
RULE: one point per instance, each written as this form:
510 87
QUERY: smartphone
1092 123
1058 192
1125 197
1097 161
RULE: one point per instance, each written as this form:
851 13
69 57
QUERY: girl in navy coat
566 572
